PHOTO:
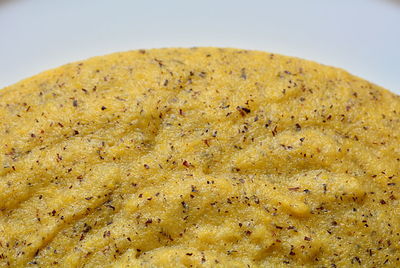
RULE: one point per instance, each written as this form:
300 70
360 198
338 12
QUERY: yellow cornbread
200 157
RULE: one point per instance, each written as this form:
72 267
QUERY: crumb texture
199 157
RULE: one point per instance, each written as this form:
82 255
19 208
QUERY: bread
201 157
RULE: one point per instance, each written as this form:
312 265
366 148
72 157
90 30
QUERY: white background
362 36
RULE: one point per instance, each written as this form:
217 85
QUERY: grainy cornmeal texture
200 158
